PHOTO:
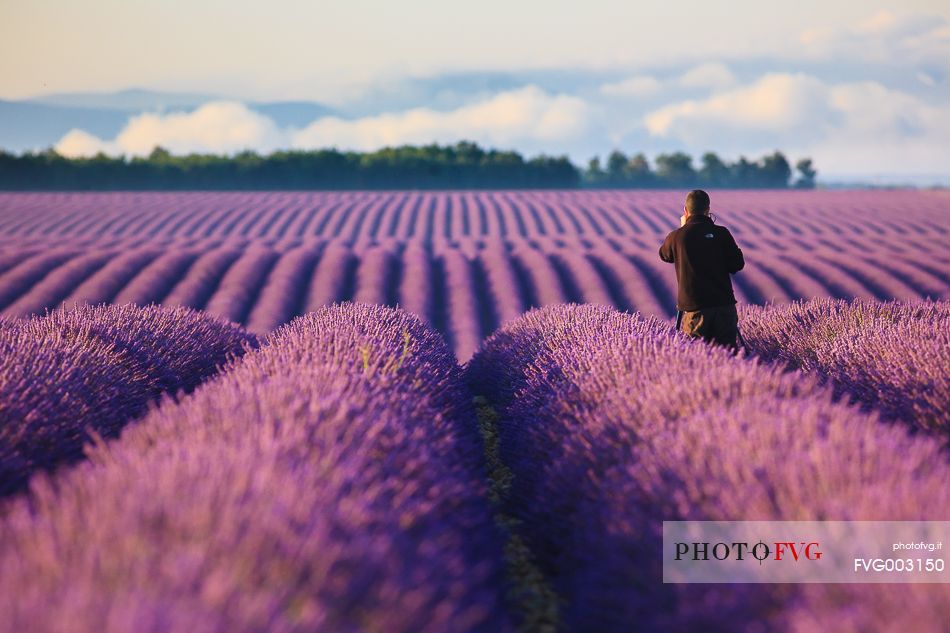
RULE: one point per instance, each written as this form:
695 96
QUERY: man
705 254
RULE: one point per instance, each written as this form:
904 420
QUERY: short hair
697 201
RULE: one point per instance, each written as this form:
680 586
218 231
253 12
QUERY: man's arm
666 249
734 260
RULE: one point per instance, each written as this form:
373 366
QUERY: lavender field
454 411
465 262
611 423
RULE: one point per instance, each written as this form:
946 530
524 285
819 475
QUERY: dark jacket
705 254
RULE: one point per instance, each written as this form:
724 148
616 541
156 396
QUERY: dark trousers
714 325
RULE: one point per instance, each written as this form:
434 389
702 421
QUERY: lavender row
330 481
465 288
895 215
612 423
893 357
91 370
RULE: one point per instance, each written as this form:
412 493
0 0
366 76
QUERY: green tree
714 172
617 168
160 155
743 173
638 170
595 174
807 173
774 171
462 165
675 170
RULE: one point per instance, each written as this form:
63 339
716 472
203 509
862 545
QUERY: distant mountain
40 122
448 91
26 125
293 113
131 100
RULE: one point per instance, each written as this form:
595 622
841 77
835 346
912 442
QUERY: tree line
463 165
677 170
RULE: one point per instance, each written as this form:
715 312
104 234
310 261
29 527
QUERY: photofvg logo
804 551
760 551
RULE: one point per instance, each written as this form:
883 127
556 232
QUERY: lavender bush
415 286
374 277
57 285
282 296
93 369
331 277
329 481
153 283
612 423
461 304
196 287
891 356
107 282
20 279
503 288
181 346
239 287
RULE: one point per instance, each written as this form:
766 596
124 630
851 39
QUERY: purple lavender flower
93 369
893 357
329 481
612 423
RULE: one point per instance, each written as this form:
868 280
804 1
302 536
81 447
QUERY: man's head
697 202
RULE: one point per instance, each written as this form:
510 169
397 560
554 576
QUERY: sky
862 87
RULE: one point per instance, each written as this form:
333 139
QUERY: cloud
77 143
708 75
217 127
526 114
775 104
912 38
636 86
850 126
880 22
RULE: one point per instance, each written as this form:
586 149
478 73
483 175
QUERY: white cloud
708 75
77 143
637 86
526 114
775 103
874 114
846 126
884 36
217 127
880 22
